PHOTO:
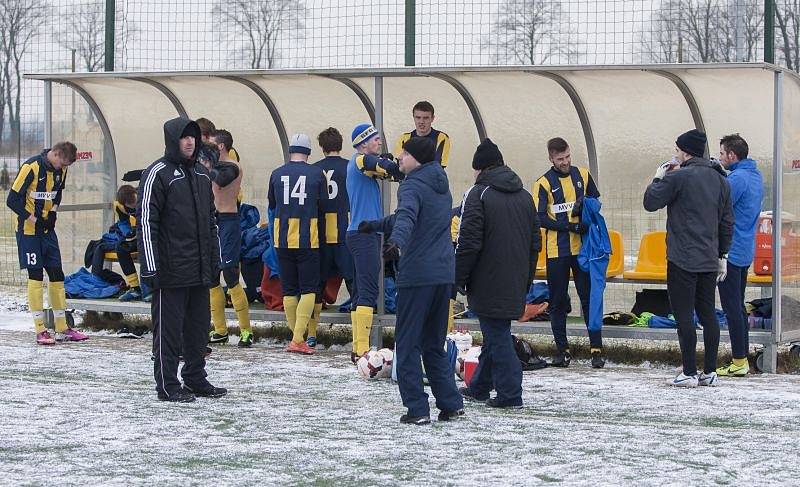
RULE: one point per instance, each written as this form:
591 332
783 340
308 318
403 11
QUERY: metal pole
769 31
738 33
111 9
48 113
771 351
376 337
410 34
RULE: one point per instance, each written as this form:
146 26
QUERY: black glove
47 224
224 173
365 227
391 251
580 228
577 210
387 155
151 280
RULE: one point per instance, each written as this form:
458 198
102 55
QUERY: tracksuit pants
691 292
731 295
558 285
498 365
366 251
420 331
180 323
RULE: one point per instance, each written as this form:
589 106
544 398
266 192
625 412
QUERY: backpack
526 354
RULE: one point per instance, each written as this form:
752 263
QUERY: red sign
796 164
84 156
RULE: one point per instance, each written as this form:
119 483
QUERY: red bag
271 291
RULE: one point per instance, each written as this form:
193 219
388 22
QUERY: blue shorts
38 251
335 261
230 239
299 271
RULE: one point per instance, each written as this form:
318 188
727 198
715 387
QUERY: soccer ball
463 340
472 354
388 362
371 365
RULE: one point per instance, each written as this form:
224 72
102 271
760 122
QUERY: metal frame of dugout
366 87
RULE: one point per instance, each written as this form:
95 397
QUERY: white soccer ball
371 365
388 363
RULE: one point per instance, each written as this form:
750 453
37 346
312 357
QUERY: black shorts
299 271
230 240
335 261
38 251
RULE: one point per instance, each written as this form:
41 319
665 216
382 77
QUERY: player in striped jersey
558 195
423 122
35 197
295 191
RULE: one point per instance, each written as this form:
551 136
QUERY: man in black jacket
496 251
699 232
179 257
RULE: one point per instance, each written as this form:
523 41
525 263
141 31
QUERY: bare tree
85 34
259 25
787 15
20 21
531 32
662 43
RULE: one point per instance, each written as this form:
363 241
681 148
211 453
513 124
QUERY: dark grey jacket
699 214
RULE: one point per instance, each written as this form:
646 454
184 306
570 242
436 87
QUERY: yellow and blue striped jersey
555 195
36 190
295 192
336 208
440 140
363 189
125 214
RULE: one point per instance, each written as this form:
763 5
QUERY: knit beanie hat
362 133
300 144
692 142
487 155
421 149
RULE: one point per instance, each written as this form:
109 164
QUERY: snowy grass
87 414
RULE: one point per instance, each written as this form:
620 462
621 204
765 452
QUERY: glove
663 169
365 227
577 210
151 280
47 224
722 269
580 228
391 251
387 155
224 173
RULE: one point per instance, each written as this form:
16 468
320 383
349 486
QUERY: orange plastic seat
112 256
756 279
651 263
616 262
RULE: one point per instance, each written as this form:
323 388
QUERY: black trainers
494 403
597 360
466 394
448 415
417 420
214 337
561 359
207 391
181 396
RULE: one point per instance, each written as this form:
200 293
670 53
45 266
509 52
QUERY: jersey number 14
298 191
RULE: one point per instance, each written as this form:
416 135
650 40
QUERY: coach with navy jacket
496 252
179 257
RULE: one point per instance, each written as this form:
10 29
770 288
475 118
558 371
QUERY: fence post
111 9
769 31
410 34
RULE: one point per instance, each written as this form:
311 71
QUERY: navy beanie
487 155
692 142
421 148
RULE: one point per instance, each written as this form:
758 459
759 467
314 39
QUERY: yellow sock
218 310
450 318
290 308
241 306
364 317
305 308
58 302
36 303
314 321
354 329
132 280
739 362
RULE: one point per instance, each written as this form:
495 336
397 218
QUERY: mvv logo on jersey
44 195
561 207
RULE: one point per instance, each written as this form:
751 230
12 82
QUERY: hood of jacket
501 178
172 136
431 175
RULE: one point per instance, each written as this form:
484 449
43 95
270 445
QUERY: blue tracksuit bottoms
499 367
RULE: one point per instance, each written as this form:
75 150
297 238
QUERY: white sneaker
682 380
708 379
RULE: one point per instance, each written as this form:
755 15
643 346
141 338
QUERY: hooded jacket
420 227
699 214
176 229
498 244
747 191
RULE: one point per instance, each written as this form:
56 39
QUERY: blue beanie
362 133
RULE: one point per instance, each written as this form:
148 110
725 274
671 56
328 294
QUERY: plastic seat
756 279
616 262
112 256
651 263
